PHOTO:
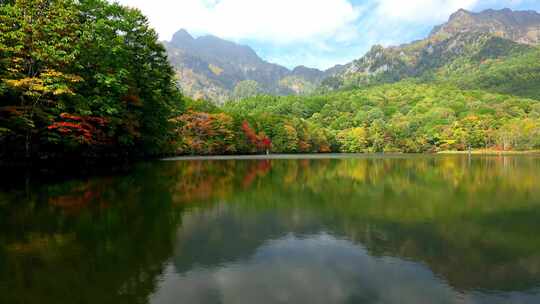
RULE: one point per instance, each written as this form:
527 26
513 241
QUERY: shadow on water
365 230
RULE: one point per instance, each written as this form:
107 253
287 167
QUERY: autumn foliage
206 129
260 141
83 129
204 133
63 94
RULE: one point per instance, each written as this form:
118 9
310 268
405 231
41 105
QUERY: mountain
492 49
212 68
479 44
519 26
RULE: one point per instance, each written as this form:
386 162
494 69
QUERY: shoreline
490 152
280 156
346 155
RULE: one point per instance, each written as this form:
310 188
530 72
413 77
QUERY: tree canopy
82 77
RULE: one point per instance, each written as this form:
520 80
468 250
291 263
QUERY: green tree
245 89
353 140
37 39
85 77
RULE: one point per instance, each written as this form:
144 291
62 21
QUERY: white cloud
317 269
317 33
279 21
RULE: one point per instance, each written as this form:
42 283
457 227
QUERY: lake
336 229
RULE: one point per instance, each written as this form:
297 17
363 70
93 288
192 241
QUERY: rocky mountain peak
461 13
211 67
473 34
182 37
228 49
519 26
213 48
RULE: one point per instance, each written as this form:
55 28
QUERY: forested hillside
474 83
402 117
90 79
468 42
515 73
480 61
82 78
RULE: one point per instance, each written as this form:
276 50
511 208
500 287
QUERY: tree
285 139
259 141
127 72
245 89
36 46
92 60
206 134
353 140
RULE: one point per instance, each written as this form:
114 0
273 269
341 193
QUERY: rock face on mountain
212 68
466 37
519 26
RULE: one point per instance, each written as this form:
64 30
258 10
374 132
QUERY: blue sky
315 33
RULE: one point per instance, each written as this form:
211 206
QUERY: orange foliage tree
204 133
74 129
260 141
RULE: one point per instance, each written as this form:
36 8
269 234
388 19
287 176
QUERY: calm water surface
408 229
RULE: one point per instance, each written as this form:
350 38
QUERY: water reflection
318 269
366 230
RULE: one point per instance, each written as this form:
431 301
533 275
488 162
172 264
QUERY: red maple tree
260 141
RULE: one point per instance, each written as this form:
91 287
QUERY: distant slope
490 50
519 26
516 73
212 68
474 83
403 117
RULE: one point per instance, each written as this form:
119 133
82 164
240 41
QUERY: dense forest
90 78
402 117
465 91
82 78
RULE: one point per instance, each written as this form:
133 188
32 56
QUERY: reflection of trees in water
95 241
106 239
258 169
464 219
195 181
314 268
220 235
82 196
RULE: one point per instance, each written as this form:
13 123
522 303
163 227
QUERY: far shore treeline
89 79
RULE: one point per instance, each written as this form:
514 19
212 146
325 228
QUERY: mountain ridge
519 26
497 33
209 67
212 68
